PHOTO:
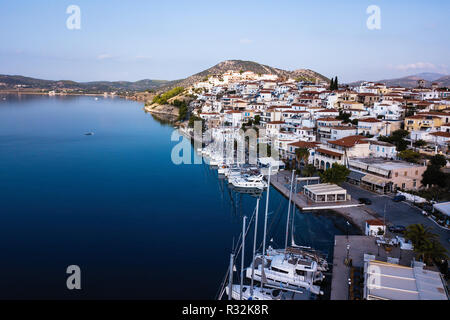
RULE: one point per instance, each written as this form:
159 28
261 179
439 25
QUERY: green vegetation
420 143
426 245
301 154
257 120
438 160
344 117
409 155
182 112
163 98
193 119
334 84
434 176
336 174
309 170
397 138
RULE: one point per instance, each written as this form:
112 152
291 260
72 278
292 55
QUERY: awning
375 180
355 176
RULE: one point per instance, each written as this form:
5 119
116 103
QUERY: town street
398 213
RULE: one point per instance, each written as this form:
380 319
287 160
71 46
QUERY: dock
354 248
355 212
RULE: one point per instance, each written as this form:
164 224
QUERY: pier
351 209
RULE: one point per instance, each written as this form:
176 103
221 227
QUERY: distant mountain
430 76
240 65
444 81
411 81
10 82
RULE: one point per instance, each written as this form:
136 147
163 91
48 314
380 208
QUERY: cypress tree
336 84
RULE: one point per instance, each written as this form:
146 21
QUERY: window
300 272
405 173
417 172
396 174
279 270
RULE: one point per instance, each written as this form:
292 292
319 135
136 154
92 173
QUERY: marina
114 189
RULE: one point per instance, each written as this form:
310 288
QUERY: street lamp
348 251
348 225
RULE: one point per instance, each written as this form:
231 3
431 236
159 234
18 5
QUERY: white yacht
287 271
258 293
248 183
322 263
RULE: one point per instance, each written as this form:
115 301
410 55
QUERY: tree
257 120
344 116
397 138
420 143
425 243
409 155
336 174
336 84
302 154
331 84
434 176
438 160
309 170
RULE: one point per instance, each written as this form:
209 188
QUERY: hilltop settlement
385 135
364 145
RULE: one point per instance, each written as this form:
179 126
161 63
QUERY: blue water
114 204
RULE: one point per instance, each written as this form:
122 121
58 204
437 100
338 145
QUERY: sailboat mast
266 213
289 212
243 255
293 215
230 278
254 246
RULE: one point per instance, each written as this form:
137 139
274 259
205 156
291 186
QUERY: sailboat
285 269
258 293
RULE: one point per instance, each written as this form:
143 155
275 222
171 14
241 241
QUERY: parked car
365 201
399 198
397 229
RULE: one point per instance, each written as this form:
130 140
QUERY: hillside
11 81
238 65
411 81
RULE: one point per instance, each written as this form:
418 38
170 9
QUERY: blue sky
133 40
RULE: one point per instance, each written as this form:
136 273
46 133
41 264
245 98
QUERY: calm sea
138 226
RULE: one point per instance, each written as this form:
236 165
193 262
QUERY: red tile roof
329 152
350 141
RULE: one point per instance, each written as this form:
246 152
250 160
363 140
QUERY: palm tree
437 252
302 154
424 241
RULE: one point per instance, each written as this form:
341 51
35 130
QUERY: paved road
401 213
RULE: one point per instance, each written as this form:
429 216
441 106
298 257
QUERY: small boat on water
89 134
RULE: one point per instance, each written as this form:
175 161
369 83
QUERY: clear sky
137 39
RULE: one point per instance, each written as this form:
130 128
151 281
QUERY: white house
370 126
375 228
233 117
379 149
